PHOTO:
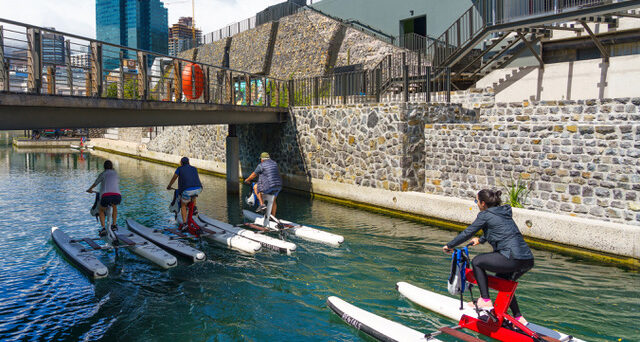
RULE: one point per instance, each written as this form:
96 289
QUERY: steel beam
603 51
30 111
530 47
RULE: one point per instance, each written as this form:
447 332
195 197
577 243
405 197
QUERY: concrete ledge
62 143
140 151
593 239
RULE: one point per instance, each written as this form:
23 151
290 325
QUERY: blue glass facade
140 24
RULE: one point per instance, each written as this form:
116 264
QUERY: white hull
145 249
85 259
267 242
373 325
229 240
303 232
165 242
450 307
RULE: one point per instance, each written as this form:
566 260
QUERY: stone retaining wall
249 49
302 45
580 157
361 48
205 142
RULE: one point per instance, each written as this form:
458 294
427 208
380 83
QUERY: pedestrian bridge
52 79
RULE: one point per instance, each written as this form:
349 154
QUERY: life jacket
270 176
457 277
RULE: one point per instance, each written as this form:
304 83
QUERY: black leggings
510 269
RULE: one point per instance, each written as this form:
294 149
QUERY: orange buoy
192 81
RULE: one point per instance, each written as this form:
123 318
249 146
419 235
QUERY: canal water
234 297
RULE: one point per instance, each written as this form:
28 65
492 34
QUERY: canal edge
567 250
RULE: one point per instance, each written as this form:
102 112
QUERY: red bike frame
193 227
495 328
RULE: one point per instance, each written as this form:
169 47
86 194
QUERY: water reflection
231 297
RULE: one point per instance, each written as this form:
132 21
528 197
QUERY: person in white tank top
109 193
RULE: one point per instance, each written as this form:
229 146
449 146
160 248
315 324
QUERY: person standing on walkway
511 256
269 181
109 194
189 186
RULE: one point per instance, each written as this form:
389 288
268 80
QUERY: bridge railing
41 60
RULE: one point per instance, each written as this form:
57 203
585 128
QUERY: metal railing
414 84
92 68
230 30
276 12
485 14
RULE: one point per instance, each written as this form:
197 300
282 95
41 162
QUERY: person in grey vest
109 194
269 181
511 256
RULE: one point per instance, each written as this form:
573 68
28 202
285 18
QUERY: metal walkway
492 33
52 79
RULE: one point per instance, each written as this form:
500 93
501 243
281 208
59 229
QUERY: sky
79 16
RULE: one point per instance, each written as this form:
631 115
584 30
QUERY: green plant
517 192
112 90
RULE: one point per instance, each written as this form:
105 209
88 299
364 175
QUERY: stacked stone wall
202 142
133 134
212 54
361 48
248 50
579 157
377 145
302 45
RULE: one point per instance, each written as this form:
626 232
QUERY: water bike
266 222
80 251
495 323
205 228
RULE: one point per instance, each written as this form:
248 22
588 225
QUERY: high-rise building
181 36
52 48
139 24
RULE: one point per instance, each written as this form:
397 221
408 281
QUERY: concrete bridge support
233 157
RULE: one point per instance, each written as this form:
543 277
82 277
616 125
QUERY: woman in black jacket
511 256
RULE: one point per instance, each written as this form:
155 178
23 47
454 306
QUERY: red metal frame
193 227
495 329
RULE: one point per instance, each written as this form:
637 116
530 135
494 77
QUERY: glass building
139 24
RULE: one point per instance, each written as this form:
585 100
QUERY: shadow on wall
281 142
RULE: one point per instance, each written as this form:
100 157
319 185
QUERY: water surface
234 297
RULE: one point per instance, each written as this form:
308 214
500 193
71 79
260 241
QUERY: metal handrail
152 75
492 15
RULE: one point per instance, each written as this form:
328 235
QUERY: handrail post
405 78
344 88
448 85
177 78
378 77
96 69
207 86
315 91
291 95
428 80
4 67
232 89
143 81
264 92
51 80
34 60
277 90
121 80
247 89
67 60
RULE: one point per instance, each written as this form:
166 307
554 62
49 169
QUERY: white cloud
79 17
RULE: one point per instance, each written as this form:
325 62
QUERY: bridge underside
30 111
